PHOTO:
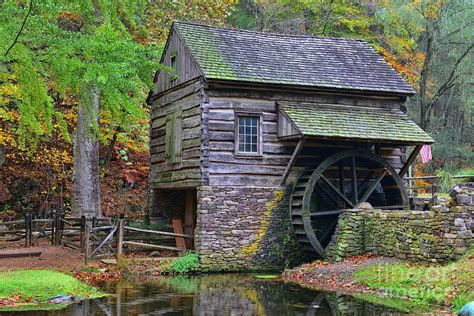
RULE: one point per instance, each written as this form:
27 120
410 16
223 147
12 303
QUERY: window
173 136
248 134
174 69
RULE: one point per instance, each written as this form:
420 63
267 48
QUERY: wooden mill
239 115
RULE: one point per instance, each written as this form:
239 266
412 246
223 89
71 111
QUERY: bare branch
21 29
453 76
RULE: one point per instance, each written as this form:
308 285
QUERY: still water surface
214 294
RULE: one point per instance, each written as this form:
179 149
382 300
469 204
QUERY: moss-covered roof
349 122
334 63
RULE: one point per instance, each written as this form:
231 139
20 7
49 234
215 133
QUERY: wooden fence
432 188
95 237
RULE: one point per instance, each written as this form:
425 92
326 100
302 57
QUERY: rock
455 191
365 206
60 299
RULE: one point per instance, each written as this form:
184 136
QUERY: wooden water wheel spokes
342 181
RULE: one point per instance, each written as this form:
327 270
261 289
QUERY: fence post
86 246
28 227
56 228
434 194
83 228
53 229
120 238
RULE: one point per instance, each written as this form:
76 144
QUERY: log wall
186 173
225 168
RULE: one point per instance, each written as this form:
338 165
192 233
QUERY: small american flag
425 153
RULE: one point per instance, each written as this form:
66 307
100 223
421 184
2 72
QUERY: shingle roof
345 122
335 63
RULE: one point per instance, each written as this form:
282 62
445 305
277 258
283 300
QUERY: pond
217 294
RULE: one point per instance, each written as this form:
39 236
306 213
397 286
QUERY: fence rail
95 237
432 188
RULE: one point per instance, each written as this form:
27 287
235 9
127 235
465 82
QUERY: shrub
185 264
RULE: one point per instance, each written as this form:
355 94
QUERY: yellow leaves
6 138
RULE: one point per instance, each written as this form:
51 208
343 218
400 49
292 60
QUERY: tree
82 50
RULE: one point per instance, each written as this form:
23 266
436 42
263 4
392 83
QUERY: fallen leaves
10 301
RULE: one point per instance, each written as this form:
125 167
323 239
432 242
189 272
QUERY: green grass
402 305
267 276
36 286
445 285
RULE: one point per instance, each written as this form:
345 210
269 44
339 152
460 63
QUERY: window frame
244 154
174 73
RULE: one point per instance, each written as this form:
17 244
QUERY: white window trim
243 154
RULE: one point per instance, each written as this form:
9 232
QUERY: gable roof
300 60
348 122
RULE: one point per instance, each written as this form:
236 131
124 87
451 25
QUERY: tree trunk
86 185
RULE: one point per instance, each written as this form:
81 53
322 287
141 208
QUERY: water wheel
342 181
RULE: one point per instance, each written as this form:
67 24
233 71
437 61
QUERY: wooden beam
365 182
340 170
410 160
292 161
178 229
328 194
355 195
336 190
20 254
189 211
139 244
336 212
157 232
372 187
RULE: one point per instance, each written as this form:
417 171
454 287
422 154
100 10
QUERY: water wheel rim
316 176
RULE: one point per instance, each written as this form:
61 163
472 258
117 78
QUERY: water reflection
230 294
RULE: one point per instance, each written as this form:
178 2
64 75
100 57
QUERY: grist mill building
260 140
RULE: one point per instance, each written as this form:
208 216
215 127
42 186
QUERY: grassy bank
29 289
448 285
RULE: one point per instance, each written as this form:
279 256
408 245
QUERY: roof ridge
271 33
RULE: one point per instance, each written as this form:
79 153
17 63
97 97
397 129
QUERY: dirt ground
334 276
56 258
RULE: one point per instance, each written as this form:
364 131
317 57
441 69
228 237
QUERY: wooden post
53 229
410 160
434 194
189 216
60 228
57 228
94 222
82 233
178 229
86 246
28 227
120 238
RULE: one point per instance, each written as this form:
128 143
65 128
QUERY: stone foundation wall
243 228
440 234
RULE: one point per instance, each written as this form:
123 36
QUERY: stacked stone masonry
243 228
443 233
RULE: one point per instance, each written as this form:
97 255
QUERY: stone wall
440 234
243 228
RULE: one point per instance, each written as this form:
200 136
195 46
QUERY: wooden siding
285 127
227 169
186 68
164 173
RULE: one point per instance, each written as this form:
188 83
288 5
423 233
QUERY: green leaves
68 46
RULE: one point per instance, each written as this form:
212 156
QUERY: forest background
58 55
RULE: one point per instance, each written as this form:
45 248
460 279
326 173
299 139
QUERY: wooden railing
95 237
432 188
